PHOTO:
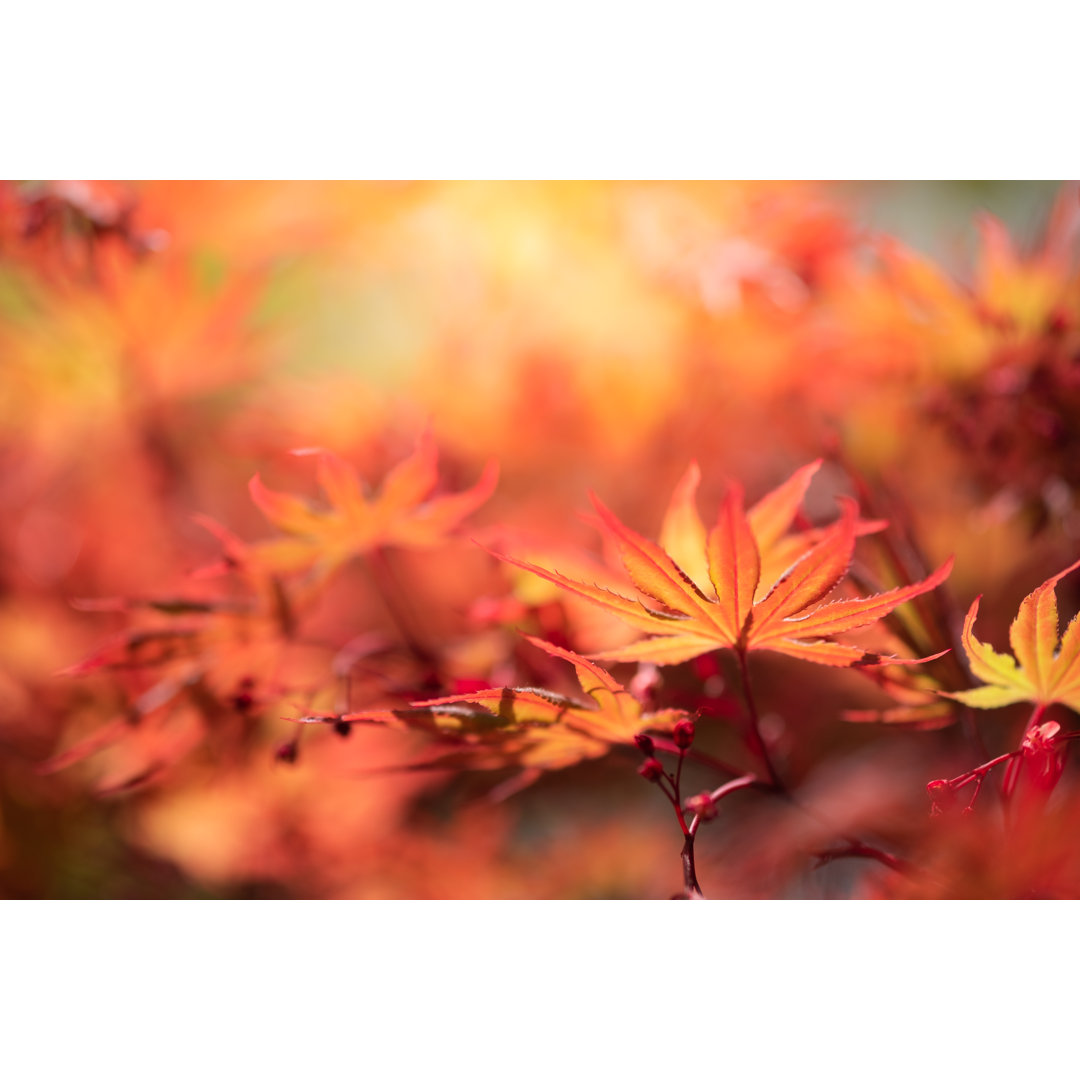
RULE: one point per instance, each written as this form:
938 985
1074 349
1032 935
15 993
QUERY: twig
693 889
713 797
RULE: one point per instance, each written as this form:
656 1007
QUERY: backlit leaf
1042 669
688 622
525 726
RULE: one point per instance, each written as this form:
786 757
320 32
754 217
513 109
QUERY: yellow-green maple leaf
1041 670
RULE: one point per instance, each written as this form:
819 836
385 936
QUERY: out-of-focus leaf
525 726
402 514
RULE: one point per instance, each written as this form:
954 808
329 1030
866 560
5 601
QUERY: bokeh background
160 343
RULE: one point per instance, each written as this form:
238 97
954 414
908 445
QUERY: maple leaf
726 595
1042 669
525 726
195 653
683 533
402 514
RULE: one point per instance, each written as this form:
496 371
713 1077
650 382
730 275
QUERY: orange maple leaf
526 726
1043 670
402 514
726 596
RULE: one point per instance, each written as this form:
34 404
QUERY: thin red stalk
667 794
690 881
753 730
975 794
1012 774
668 747
1036 716
693 889
979 773
674 796
733 785
725 789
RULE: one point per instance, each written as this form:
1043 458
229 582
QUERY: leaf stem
1012 773
1036 716
668 747
753 730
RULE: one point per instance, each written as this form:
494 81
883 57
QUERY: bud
941 795
287 753
651 769
683 734
645 744
343 728
1040 740
703 805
